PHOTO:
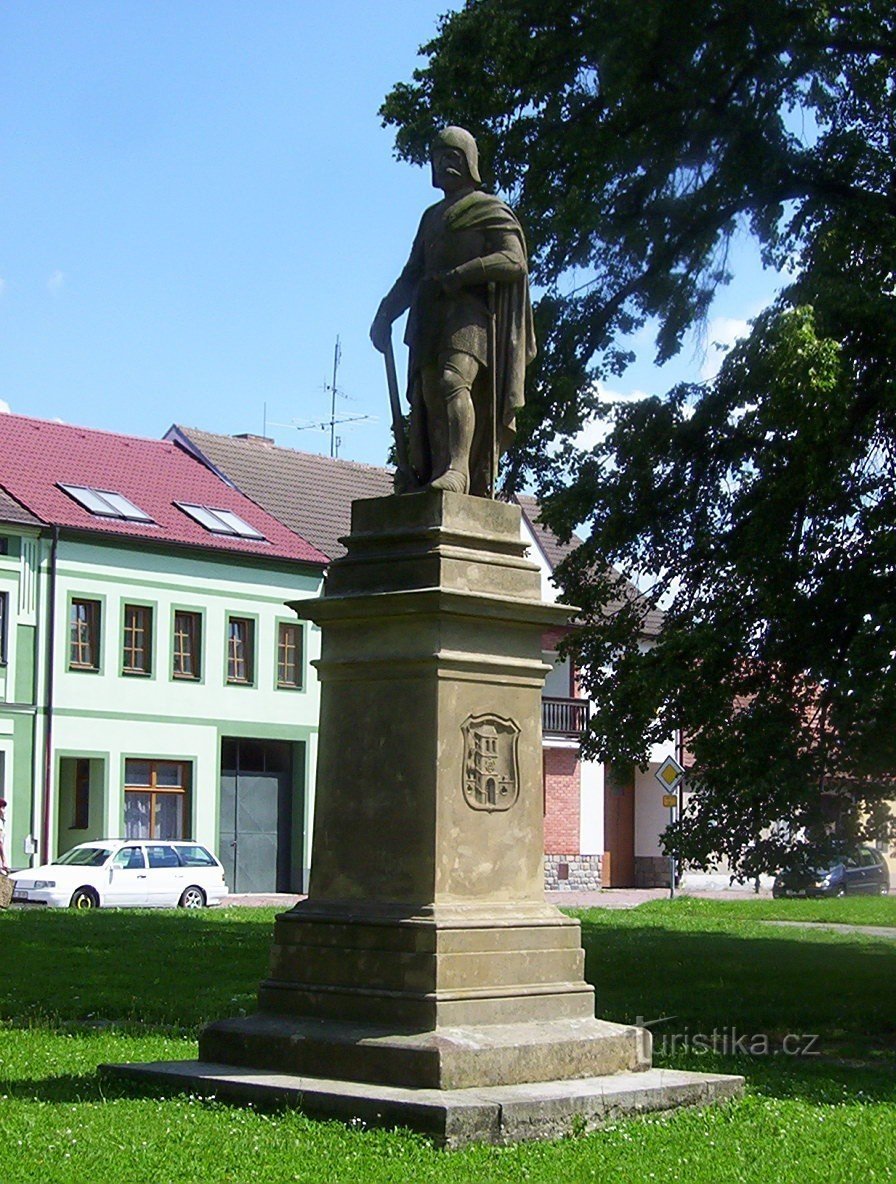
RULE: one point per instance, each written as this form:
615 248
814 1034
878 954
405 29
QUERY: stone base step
446 1058
452 1118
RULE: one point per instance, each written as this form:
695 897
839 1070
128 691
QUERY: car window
192 855
129 857
85 856
161 856
849 861
866 859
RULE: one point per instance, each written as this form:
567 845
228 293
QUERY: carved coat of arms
491 762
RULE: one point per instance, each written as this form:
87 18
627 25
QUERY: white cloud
55 282
596 430
5 409
721 333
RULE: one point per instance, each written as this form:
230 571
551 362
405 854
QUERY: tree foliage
635 141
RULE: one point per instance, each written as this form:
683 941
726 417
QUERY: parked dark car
860 870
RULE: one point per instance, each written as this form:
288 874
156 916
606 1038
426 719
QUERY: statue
469 332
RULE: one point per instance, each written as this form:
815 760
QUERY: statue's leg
432 443
456 375
424 403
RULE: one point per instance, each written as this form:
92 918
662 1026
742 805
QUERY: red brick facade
561 798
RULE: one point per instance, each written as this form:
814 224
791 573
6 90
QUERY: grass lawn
79 989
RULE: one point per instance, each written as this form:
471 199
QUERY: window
81 797
105 503
289 655
196 856
221 521
156 796
130 858
4 622
240 647
84 623
186 661
162 856
137 646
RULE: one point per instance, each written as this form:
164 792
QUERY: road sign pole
670 775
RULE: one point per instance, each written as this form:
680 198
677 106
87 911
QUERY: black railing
564 717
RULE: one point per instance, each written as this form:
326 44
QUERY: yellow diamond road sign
670 773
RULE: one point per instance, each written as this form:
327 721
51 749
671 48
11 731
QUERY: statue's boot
460 419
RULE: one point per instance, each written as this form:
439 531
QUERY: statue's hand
451 281
381 332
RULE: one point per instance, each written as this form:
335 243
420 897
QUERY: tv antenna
333 422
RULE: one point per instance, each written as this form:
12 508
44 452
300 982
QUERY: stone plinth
425 957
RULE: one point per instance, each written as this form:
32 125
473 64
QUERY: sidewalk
606 898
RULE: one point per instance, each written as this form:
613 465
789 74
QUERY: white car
120 872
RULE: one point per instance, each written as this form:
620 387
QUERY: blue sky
197 197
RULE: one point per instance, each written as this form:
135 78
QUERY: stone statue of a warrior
469 331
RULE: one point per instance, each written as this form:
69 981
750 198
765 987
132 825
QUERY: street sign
670 773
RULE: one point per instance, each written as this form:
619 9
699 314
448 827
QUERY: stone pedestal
425 957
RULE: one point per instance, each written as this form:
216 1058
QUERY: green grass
844 910
80 989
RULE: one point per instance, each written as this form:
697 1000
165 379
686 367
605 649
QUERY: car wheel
841 891
884 890
192 898
84 898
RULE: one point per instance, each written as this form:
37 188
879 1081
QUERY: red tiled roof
35 455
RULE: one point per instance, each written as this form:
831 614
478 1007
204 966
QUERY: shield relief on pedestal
491 779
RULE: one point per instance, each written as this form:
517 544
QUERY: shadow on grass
839 991
162 969
173 971
75 1088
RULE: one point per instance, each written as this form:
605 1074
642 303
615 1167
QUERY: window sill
84 669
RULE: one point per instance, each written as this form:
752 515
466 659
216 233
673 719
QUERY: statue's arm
504 263
399 297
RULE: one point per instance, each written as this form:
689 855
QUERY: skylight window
105 503
221 521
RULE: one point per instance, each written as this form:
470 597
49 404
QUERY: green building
153 681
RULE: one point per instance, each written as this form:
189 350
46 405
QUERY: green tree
635 141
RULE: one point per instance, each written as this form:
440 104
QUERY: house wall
18 750
108 715
651 818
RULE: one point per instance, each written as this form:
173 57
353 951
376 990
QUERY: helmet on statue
460 139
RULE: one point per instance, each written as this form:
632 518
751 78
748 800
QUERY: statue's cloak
514 341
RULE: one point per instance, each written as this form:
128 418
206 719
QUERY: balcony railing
564 717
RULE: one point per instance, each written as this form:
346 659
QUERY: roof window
221 521
105 503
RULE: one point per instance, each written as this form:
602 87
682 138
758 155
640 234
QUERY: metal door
254 830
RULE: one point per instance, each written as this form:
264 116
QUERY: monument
425 982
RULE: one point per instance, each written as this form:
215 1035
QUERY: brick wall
561 801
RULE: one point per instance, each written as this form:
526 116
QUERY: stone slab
447 1058
452 1118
